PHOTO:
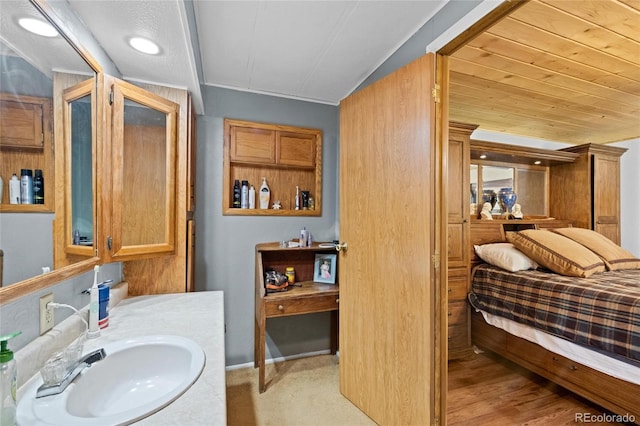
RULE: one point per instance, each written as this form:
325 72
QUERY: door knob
341 246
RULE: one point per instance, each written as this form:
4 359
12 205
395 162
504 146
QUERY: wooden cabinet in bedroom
587 191
458 199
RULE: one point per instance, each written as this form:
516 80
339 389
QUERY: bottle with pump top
38 188
265 194
8 384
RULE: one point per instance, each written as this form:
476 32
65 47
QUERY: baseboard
280 359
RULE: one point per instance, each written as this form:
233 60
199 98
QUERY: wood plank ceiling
566 71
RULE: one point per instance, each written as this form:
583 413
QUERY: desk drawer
302 305
457 313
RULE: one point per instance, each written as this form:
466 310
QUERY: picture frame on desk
324 269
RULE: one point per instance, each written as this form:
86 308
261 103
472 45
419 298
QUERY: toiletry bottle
252 197
26 186
297 201
244 195
38 188
94 330
265 194
236 194
8 385
14 190
303 237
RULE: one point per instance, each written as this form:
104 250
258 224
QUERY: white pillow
505 256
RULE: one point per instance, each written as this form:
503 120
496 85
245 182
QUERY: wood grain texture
287 156
485 389
587 191
172 273
557 70
387 166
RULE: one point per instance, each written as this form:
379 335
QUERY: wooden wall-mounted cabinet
587 191
286 156
26 143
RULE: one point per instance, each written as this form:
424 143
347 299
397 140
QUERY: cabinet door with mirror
140 214
27 237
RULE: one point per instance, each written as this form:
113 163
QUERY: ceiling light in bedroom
483 156
37 26
537 162
144 45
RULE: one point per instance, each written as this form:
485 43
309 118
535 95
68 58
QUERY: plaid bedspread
601 312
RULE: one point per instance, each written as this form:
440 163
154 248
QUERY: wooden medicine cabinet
286 156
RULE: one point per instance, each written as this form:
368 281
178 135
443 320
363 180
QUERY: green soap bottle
8 386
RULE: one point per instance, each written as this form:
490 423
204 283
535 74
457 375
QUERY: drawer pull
574 368
449 313
338 300
280 308
450 290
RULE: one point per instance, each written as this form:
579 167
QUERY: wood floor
485 389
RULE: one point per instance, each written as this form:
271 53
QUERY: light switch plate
46 315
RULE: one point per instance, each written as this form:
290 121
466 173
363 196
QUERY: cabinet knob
449 313
280 308
338 300
449 289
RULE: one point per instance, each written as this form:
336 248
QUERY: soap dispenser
265 194
8 386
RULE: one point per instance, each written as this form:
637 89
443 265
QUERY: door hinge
435 259
111 97
435 93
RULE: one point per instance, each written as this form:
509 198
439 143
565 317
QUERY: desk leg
259 349
335 320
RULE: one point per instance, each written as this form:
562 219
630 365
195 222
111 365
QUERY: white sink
138 377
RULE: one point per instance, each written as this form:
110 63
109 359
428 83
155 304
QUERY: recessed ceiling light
38 27
537 162
482 157
144 45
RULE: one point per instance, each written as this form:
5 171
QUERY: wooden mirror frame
32 285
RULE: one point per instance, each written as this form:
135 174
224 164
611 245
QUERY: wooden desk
309 298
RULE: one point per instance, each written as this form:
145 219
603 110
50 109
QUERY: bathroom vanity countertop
198 316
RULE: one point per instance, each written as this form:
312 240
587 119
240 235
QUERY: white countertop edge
198 316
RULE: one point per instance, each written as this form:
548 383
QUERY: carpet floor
303 391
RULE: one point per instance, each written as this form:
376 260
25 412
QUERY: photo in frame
324 270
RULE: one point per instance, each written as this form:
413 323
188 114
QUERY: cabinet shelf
288 157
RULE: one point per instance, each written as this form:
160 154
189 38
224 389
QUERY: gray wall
24 314
225 244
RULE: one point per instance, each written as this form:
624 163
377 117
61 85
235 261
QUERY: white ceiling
313 50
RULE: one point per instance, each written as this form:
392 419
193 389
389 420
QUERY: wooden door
387 217
143 188
606 195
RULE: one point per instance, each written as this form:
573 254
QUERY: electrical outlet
46 315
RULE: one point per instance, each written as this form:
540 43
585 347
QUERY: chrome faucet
72 373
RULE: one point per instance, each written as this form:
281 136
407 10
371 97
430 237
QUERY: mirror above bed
497 169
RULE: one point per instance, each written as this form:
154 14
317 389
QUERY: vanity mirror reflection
30 69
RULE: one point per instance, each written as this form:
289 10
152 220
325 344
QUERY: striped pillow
557 253
614 256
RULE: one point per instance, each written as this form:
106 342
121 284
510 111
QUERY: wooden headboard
494 231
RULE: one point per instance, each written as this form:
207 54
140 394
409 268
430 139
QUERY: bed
581 333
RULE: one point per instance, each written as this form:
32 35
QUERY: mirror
529 183
28 64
